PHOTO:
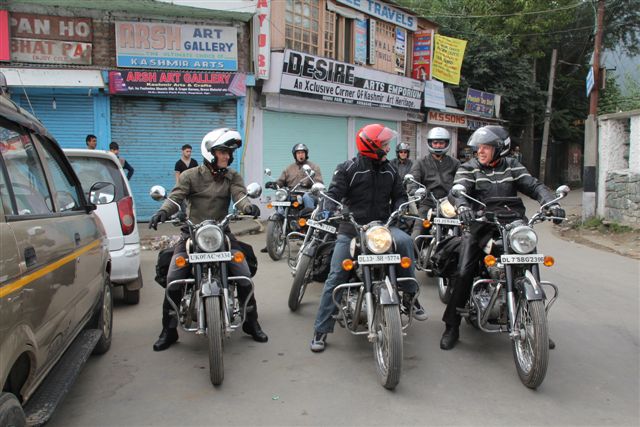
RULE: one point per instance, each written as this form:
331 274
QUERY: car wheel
11 413
103 318
132 297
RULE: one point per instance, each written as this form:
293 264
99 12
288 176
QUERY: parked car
119 218
55 290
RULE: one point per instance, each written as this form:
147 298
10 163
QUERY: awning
47 77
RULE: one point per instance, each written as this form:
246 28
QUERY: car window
92 169
63 187
5 199
25 172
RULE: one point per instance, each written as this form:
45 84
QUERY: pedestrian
516 154
91 141
185 162
115 149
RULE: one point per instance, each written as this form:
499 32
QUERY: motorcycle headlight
281 195
447 209
378 239
209 238
523 239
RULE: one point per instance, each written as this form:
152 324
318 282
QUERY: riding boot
251 325
169 334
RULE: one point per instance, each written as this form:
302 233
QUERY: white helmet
438 134
223 138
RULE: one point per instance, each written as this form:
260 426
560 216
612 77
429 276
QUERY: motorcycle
370 303
313 260
285 219
508 296
210 304
440 223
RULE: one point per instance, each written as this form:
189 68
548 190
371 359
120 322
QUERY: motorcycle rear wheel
387 349
300 281
276 241
531 353
214 337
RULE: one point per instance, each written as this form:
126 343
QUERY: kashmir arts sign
51 39
322 78
176 47
125 82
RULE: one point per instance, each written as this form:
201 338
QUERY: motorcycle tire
276 241
427 257
531 351
214 338
300 281
387 349
444 290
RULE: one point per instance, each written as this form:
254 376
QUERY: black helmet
495 136
403 146
300 147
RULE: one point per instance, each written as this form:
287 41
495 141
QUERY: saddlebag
445 256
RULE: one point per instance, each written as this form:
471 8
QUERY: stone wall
622 202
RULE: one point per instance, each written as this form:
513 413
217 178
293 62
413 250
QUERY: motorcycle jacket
436 175
403 168
205 197
506 179
370 190
293 174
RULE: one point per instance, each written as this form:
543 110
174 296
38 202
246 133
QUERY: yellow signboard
447 59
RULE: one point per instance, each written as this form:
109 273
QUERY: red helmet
369 140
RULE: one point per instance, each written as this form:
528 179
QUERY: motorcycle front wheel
214 336
275 240
443 289
300 280
387 349
531 349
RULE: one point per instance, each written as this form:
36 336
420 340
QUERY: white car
118 218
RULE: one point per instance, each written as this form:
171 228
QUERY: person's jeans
324 319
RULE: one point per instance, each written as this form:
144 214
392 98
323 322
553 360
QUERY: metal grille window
302 18
329 34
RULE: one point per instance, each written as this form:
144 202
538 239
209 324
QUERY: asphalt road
593 376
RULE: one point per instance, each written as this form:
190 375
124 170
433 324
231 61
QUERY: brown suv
55 292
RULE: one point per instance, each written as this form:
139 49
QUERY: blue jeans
307 201
324 319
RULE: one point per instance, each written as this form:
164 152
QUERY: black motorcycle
313 260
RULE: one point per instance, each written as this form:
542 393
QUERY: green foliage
597 223
613 100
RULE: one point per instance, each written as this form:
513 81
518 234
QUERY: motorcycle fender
530 287
387 295
277 217
210 289
311 250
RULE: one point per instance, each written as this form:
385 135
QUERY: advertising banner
384 12
434 94
125 82
322 78
447 59
176 47
422 48
401 50
262 42
360 39
480 103
5 51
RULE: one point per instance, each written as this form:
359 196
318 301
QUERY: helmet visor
483 137
386 136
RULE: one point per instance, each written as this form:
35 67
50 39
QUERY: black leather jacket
402 168
436 175
370 192
504 180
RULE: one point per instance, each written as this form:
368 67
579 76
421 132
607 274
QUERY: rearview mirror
458 190
254 190
102 193
317 188
562 191
267 172
408 178
158 193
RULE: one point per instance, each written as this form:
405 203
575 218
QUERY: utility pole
547 117
589 177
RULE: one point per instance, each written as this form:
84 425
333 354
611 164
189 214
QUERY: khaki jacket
205 198
293 174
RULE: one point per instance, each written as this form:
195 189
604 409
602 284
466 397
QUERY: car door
45 286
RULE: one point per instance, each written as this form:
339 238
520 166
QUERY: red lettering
262 40
262 61
263 3
261 18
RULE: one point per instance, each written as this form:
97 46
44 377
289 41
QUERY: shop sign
400 50
447 59
262 40
446 119
360 41
5 52
434 94
422 45
176 47
129 82
384 12
51 39
480 103
473 123
322 78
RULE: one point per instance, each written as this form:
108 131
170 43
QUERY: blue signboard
360 56
590 81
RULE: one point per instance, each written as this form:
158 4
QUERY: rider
402 163
435 171
488 177
294 175
370 188
208 190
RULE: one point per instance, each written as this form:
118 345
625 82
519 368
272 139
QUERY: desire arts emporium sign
176 83
322 78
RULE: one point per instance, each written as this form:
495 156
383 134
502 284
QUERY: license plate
379 259
446 221
522 259
280 203
321 226
210 257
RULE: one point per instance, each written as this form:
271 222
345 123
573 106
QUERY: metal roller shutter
151 131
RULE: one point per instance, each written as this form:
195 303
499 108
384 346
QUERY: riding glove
466 215
558 212
158 217
252 210
271 185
